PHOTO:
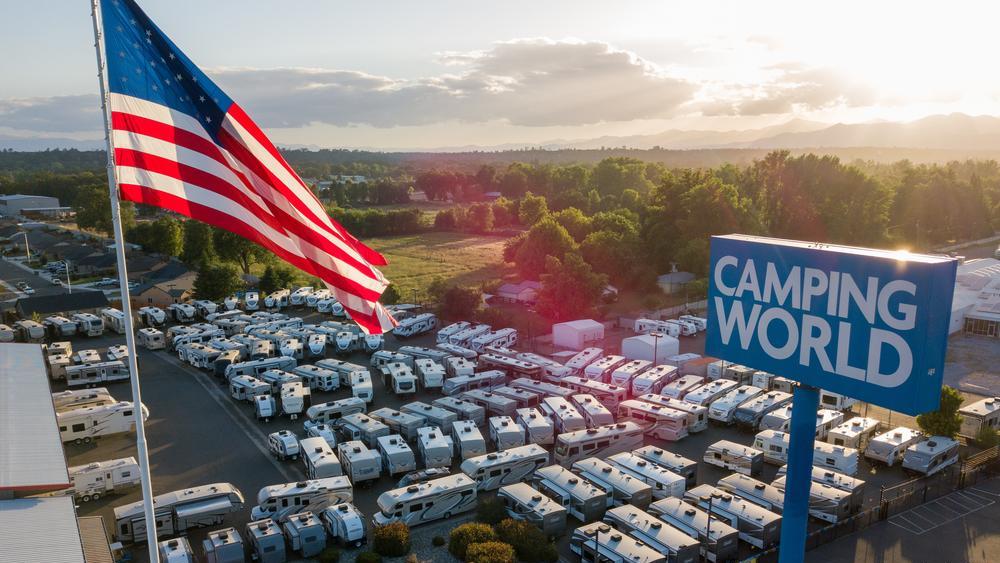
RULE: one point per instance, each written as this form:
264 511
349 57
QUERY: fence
904 496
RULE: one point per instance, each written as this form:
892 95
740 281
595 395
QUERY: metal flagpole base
795 512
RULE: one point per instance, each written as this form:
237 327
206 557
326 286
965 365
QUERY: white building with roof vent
975 307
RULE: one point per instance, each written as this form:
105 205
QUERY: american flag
180 143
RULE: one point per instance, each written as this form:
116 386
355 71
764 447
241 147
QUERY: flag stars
201 99
156 88
135 44
148 33
208 119
179 77
120 29
167 81
150 41
172 57
121 54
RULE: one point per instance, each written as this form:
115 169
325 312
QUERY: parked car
105 282
56 281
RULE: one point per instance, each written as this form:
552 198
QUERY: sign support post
802 435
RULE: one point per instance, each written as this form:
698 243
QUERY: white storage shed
645 346
575 334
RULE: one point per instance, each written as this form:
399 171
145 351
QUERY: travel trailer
321 430
623 375
95 480
735 457
457 351
976 416
705 394
749 413
152 317
463 409
177 511
608 394
6 333
593 411
345 524
653 380
265 407
113 319
678 388
505 433
456 366
88 375
445 333
890 447
724 408
223 546
419 324
245 388
258 368
251 300
600 370
494 470
87 324
283 445
700 323
306 534
697 415
855 433
664 423
73 399
318 458
299 297
654 533
505 337
59 327
929 456
686 468
277 378
598 542
266 541
468 438
757 526
436 449
280 502
360 427
543 388
513 368
418 352
294 399
317 378
524 399
780 419
81 426
758 492
582 499
553 370
333 410
29 331
645 326
426 502
277 300
565 417
181 312
826 502
57 364
597 442
664 483
719 541
177 550
623 487
524 502
385 357
483 380
837 402
774 445
362 465
464 337
538 428
430 374
495 405
151 339
204 307
397 457
434 415
582 359
86 357
403 423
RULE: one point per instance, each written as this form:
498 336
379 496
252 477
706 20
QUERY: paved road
12 274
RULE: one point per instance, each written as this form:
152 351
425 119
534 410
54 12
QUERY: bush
987 437
528 541
467 534
391 540
491 511
368 557
490 552
329 555
438 541
412 558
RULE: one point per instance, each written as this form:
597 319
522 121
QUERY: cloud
54 114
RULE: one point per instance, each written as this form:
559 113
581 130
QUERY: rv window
124 528
62 428
495 473
774 448
590 446
126 473
269 548
79 427
126 413
717 455
416 507
574 451
284 502
838 442
603 444
831 461
829 400
467 493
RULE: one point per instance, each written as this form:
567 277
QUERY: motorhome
306 534
552 370
601 369
151 339
597 442
318 459
468 439
176 511
707 393
758 492
266 541
317 378
543 388
435 416
697 417
95 480
749 413
181 312
495 405
686 468
681 386
664 483
598 542
582 499
403 423
458 351
87 324
835 401
653 380
298 297
418 324
607 394
429 373
73 399
152 317
594 413
486 380
246 387
889 448
345 524
277 300
6 333
386 357
428 501
623 487
397 456
855 433
464 337
981 414
524 399
565 417
279 502
513 465
333 410
457 366
513 368
523 502
664 423
505 337
719 541
312 300
463 409
653 533
251 300
582 359
321 430
735 457
757 526
265 407
362 465
445 333
724 408
258 368
505 433
92 374
28 330
623 375
826 502
59 327
360 427
436 449
929 456
538 428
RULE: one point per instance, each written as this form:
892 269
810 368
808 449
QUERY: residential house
525 292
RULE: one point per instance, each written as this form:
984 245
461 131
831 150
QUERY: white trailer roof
26 521
31 452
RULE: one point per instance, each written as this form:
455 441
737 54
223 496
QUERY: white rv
152 317
251 300
281 501
94 480
582 359
457 366
436 449
600 370
57 364
318 458
826 502
277 300
464 337
653 533
664 423
608 394
979 415
245 388
930 456
681 386
86 357
283 445
204 307
313 299
223 546
360 427
855 433
595 413
505 433
724 408
505 337
399 378
81 426
889 448
543 388
6 333
362 465
623 488
513 368
600 542
495 405
113 319
176 550
483 380
830 400
665 483
706 394
321 430
299 296
403 423
553 370
29 331
463 409
317 378
181 312
266 541
59 327
176 511
458 351
333 410
294 399
151 339
582 499
523 502
306 534
597 442
774 444
758 492
265 407
565 417
719 541
469 439
73 399
277 378
653 380
87 324
419 324
538 428
623 375
345 524
853 486
258 368
397 456
751 412
735 457
686 468
445 333
697 415
757 526
427 501
429 373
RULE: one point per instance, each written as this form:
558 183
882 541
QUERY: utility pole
69 286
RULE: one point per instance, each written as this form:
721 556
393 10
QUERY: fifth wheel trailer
176 511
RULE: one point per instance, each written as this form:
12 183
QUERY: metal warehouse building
15 204
975 307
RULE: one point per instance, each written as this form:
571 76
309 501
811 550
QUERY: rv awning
210 505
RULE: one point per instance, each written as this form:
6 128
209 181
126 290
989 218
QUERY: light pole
69 286
656 342
27 252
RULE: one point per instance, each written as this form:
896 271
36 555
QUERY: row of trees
379 192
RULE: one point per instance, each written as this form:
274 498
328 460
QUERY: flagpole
133 366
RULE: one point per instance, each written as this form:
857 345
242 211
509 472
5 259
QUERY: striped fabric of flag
180 143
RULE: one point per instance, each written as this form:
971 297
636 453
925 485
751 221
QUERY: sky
433 74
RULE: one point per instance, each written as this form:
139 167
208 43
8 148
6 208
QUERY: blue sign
869 324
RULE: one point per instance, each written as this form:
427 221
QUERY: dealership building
975 307
17 204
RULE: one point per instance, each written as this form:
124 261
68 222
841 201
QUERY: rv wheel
85 498
86 440
78 441
447 514
97 496
358 543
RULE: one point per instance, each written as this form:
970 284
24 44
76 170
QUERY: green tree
514 183
459 302
217 281
575 222
93 210
570 288
545 239
502 217
532 210
614 254
390 296
490 552
275 277
235 248
168 236
479 218
199 247
945 421
446 220
467 534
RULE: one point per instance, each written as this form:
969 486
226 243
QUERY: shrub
412 558
987 437
528 541
368 557
438 541
467 534
491 511
391 540
490 552
329 555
